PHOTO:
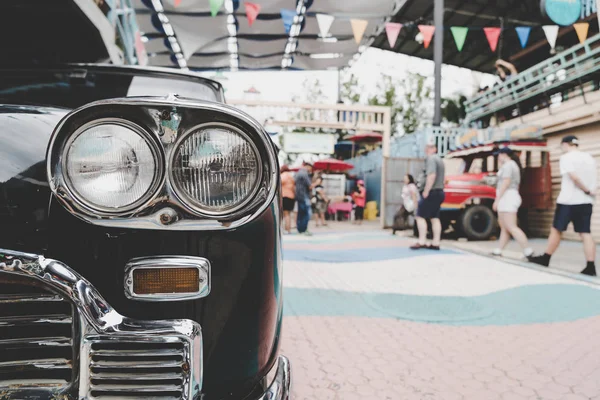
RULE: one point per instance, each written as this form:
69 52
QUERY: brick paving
422 325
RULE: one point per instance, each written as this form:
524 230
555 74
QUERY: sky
285 85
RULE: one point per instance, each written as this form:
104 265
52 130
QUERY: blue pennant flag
288 19
523 33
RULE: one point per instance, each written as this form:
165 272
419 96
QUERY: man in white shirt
574 203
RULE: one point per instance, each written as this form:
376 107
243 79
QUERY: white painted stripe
433 275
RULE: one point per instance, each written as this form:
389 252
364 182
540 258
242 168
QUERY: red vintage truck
471 180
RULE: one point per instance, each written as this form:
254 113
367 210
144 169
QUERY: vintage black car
140 246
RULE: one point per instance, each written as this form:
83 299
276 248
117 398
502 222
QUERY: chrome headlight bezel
168 121
191 203
68 187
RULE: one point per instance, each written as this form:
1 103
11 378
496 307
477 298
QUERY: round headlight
216 169
110 166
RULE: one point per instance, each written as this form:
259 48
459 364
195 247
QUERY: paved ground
366 318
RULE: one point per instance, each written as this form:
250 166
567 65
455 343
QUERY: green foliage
454 110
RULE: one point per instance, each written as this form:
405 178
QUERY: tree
454 110
409 99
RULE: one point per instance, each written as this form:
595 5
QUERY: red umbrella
366 137
331 164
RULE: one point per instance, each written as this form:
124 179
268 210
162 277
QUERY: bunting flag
288 19
460 34
427 31
215 6
582 30
252 11
359 26
492 34
523 34
551 32
392 30
324 21
177 3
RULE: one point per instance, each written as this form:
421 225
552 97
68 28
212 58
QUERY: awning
475 15
188 35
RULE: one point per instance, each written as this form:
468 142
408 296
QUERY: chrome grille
35 335
129 369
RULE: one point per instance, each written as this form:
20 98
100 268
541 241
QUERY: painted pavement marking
381 322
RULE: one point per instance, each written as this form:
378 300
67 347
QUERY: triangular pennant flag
359 26
325 21
582 30
288 19
460 34
215 6
392 30
492 34
252 11
551 32
523 34
177 3
427 31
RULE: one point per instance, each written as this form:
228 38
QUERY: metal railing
543 79
326 116
121 15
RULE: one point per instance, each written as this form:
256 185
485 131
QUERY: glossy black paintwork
240 319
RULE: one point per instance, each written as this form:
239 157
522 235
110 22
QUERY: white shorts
510 201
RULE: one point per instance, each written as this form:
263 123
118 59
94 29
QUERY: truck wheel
478 222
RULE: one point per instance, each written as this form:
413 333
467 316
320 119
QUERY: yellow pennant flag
359 26
582 30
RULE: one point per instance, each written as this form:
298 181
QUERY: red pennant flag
177 3
392 29
492 35
427 32
252 11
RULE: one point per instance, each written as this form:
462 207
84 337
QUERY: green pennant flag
460 34
215 6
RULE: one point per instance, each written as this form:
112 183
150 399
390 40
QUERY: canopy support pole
438 56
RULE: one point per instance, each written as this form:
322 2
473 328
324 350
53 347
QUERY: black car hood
24 138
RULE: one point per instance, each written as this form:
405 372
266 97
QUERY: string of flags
492 34
393 29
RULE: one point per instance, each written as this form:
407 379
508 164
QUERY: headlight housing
111 166
215 169
156 163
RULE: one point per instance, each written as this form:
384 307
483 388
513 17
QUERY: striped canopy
183 33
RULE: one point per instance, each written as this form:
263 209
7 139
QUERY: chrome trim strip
202 264
98 320
280 388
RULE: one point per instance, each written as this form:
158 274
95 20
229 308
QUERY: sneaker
540 259
528 252
589 271
417 246
497 253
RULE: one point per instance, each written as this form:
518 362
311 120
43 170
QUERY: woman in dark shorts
288 192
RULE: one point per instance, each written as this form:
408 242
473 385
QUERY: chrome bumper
102 339
279 389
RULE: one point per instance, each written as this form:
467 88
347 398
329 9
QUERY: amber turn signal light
166 280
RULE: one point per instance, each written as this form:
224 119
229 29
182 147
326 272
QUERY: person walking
321 201
508 200
431 201
360 200
574 203
303 195
288 192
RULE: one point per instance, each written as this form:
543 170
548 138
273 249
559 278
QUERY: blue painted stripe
337 256
529 304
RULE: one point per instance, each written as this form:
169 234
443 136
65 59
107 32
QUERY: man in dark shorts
431 200
574 203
